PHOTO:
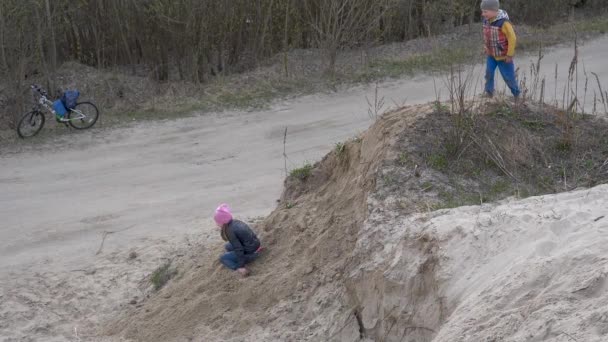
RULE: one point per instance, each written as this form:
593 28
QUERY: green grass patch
223 93
438 161
561 33
450 200
388 179
340 149
534 125
256 97
563 146
403 160
503 110
599 25
302 173
438 60
588 25
499 189
440 107
427 186
162 275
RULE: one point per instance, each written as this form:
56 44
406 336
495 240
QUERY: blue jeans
230 260
507 70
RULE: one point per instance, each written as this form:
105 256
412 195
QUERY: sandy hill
428 227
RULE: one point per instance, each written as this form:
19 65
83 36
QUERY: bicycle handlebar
39 89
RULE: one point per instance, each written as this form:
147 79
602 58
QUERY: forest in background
196 40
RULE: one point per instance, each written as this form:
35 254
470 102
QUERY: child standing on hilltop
499 41
242 245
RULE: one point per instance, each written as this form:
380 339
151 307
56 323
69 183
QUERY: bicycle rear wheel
83 116
30 124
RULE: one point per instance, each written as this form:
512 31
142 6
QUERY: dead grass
477 151
511 152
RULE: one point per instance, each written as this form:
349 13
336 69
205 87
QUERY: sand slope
344 265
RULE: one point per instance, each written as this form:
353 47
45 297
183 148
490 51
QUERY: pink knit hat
222 215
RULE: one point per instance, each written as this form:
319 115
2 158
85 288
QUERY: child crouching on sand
242 246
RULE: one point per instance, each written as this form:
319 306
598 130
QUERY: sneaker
243 272
487 95
518 102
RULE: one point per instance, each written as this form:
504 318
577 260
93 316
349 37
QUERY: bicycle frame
48 104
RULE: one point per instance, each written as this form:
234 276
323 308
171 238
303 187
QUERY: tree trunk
79 53
264 30
53 51
123 37
98 42
164 62
333 56
410 20
40 44
2 45
286 39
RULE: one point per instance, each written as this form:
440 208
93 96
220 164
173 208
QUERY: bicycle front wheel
83 116
30 124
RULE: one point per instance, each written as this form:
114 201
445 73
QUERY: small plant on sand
341 150
535 125
427 186
162 275
388 179
498 189
302 173
440 107
438 161
376 105
563 146
403 159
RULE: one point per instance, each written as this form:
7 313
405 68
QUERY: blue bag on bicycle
69 98
59 108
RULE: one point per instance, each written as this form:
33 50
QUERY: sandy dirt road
159 181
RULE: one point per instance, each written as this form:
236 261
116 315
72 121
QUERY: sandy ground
153 186
520 270
533 270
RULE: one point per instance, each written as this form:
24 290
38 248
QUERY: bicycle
84 115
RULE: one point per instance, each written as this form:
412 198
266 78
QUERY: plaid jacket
495 39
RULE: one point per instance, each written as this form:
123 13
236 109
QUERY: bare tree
2 42
53 48
338 23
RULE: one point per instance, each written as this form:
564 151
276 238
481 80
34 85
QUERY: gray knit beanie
492 5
